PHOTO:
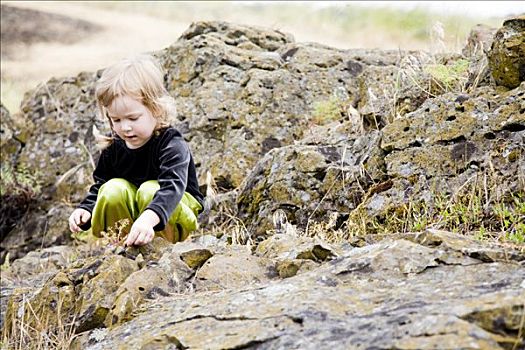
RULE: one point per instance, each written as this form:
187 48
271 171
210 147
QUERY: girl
146 172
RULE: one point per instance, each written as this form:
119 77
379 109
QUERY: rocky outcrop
60 139
52 163
307 144
433 150
273 119
425 290
18 186
241 92
507 54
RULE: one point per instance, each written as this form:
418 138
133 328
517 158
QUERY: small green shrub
450 77
18 181
327 111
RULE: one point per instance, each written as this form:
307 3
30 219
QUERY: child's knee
147 190
115 191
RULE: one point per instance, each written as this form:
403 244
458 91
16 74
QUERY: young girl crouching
146 171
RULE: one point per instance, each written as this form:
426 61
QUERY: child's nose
126 126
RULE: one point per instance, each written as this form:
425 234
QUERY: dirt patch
27 27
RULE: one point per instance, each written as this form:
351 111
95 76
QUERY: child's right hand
78 217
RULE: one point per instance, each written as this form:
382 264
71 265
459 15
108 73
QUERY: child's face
131 120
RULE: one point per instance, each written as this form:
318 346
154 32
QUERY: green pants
119 199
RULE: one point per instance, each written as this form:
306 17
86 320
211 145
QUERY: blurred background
41 40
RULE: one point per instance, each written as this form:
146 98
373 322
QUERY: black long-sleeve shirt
165 157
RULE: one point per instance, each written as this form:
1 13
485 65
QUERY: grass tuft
475 209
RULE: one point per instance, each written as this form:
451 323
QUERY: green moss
449 77
327 111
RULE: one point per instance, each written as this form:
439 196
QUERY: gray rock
395 294
507 54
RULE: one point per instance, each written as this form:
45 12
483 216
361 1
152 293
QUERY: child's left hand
142 232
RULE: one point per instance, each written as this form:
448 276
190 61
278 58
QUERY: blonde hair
141 78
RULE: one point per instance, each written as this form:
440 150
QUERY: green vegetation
473 210
401 26
18 181
327 111
449 77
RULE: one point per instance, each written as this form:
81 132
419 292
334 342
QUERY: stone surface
9 145
507 54
479 40
310 183
394 294
300 139
40 229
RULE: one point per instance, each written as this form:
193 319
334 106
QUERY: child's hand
78 217
142 232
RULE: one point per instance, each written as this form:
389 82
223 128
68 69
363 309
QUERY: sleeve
174 161
101 175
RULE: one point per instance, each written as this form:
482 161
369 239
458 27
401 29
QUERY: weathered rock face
42 229
305 134
9 146
61 141
425 291
416 291
244 91
434 149
454 138
19 188
507 54
310 182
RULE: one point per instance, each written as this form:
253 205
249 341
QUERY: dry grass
32 330
477 209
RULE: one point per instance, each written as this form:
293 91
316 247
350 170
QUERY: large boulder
61 148
424 291
507 54
241 91
310 183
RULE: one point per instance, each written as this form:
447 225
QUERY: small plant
116 234
18 181
471 210
512 219
326 230
451 77
327 111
